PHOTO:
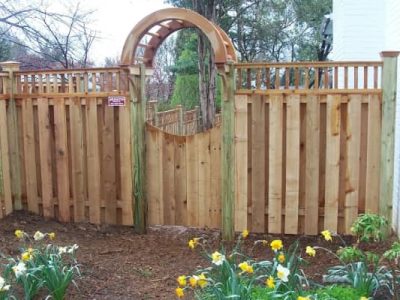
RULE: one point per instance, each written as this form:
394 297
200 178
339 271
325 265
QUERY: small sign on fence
116 100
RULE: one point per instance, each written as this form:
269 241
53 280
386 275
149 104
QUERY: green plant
337 292
369 227
42 266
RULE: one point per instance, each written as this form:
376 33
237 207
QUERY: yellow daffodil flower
52 235
19 233
310 251
217 258
179 292
303 298
276 245
193 281
281 258
327 235
245 267
270 282
26 256
181 280
193 243
245 233
202 280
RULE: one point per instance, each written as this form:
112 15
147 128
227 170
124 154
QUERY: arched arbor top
160 24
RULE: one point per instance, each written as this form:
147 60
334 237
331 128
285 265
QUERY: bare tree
62 39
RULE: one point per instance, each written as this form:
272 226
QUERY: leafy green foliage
186 91
394 252
369 227
350 254
337 292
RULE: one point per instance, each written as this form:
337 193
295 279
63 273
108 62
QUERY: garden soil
116 263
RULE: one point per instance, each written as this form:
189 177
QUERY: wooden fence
307 145
313 150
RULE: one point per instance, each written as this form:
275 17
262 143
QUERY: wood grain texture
5 160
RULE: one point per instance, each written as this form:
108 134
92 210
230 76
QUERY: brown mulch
116 263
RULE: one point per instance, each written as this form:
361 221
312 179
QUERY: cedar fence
309 142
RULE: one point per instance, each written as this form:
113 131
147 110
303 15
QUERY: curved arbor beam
158 26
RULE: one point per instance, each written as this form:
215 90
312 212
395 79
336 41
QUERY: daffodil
181 280
179 292
52 235
281 258
276 245
283 273
62 250
193 243
193 281
19 269
245 267
19 233
303 298
73 248
202 280
26 256
217 258
310 251
245 233
3 286
327 235
264 242
38 236
270 282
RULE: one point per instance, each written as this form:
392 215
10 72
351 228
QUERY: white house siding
361 30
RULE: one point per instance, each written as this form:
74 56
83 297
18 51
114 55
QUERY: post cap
390 53
10 65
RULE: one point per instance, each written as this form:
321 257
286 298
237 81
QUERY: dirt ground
116 263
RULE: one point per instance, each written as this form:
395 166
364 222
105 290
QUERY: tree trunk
207 71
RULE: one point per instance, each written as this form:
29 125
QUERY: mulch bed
116 263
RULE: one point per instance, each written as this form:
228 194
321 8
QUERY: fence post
389 86
15 163
228 153
180 112
138 112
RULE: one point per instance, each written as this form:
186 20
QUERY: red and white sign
116 100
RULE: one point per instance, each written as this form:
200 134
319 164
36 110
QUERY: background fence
307 149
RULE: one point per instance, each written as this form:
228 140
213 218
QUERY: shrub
369 227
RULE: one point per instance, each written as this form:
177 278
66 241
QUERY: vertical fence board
93 161
353 158
5 160
292 164
332 162
275 164
77 153
45 157
215 187
108 164
153 172
191 179
258 163
180 181
30 156
241 162
168 180
312 164
203 143
60 123
125 145
373 155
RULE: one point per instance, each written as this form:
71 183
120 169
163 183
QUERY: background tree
50 39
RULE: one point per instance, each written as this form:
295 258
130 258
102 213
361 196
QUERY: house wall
361 30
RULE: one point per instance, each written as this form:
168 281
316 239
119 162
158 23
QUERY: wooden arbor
139 57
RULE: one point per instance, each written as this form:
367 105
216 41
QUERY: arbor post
228 152
12 123
389 86
138 110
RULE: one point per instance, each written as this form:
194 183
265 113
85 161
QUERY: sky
114 19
